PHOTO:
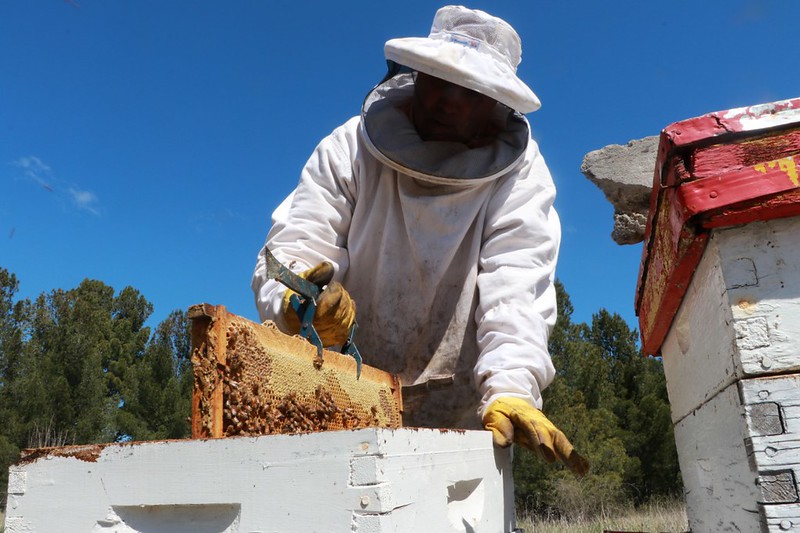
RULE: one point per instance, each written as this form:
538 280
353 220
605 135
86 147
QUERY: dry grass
661 517
656 517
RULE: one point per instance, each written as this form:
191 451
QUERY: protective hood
391 138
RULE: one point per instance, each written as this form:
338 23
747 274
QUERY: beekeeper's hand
515 420
336 310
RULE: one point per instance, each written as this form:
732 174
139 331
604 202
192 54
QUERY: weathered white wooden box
730 359
368 480
719 299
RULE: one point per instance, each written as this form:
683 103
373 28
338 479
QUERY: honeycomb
251 379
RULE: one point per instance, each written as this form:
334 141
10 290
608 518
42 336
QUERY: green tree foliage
158 394
12 333
82 343
611 401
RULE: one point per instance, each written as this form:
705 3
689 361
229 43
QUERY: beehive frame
251 379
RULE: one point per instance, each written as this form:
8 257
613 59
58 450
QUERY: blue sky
146 143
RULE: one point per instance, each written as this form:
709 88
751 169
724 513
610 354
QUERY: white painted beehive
719 299
731 359
367 480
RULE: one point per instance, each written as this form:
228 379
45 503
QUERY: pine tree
611 402
13 321
157 395
76 351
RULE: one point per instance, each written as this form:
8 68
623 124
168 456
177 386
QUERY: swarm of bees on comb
251 379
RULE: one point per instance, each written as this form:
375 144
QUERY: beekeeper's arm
310 227
517 311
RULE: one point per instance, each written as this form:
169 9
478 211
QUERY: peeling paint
714 171
752 333
17 482
767 115
89 453
18 525
786 165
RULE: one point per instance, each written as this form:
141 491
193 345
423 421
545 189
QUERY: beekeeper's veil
469 48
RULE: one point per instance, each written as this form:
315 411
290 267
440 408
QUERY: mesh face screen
251 379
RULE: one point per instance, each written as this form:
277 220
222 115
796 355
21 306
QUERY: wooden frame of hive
251 379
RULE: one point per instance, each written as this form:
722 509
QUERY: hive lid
718 170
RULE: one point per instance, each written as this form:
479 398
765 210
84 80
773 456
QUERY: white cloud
39 172
32 164
35 170
85 200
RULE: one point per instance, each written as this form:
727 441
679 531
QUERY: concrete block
625 175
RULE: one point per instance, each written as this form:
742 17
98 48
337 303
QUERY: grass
660 517
656 517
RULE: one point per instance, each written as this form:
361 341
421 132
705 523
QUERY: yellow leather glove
515 420
336 310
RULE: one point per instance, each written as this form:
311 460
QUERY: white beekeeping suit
435 209
448 250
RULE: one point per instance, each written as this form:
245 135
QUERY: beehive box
719 299
251 379
731 364
367 481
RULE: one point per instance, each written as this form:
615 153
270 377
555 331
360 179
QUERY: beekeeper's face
444 111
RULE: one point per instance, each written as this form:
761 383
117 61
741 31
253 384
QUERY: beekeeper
433 210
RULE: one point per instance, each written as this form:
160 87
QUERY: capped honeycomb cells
272 383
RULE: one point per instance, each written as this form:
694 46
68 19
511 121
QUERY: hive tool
304 302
